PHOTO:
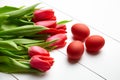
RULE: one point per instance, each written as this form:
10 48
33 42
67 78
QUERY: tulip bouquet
27 35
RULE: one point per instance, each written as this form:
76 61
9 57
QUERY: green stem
10 65
21 12
11 54
22 30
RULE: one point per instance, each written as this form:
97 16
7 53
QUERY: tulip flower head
42 63
47 23
60 40
43 14
37 50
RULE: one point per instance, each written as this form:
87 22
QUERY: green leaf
21 12
38 36
64 21
45 44
22 21
23 30
5 52
11 65
10 45
7 26
26 41
10 69
23 52
5 9
16 63
3 18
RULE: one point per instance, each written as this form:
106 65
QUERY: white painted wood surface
103 19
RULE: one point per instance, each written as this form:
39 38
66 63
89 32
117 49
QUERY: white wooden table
103 18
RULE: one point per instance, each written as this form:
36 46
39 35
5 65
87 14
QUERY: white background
103 18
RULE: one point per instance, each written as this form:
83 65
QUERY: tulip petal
43 14
47 23
37 50
60 40
41 63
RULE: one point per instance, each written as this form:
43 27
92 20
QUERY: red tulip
60 40
47 23
61 26
53 31
42 63
43 14
37 50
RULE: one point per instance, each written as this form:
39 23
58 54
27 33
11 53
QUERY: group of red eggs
81 33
